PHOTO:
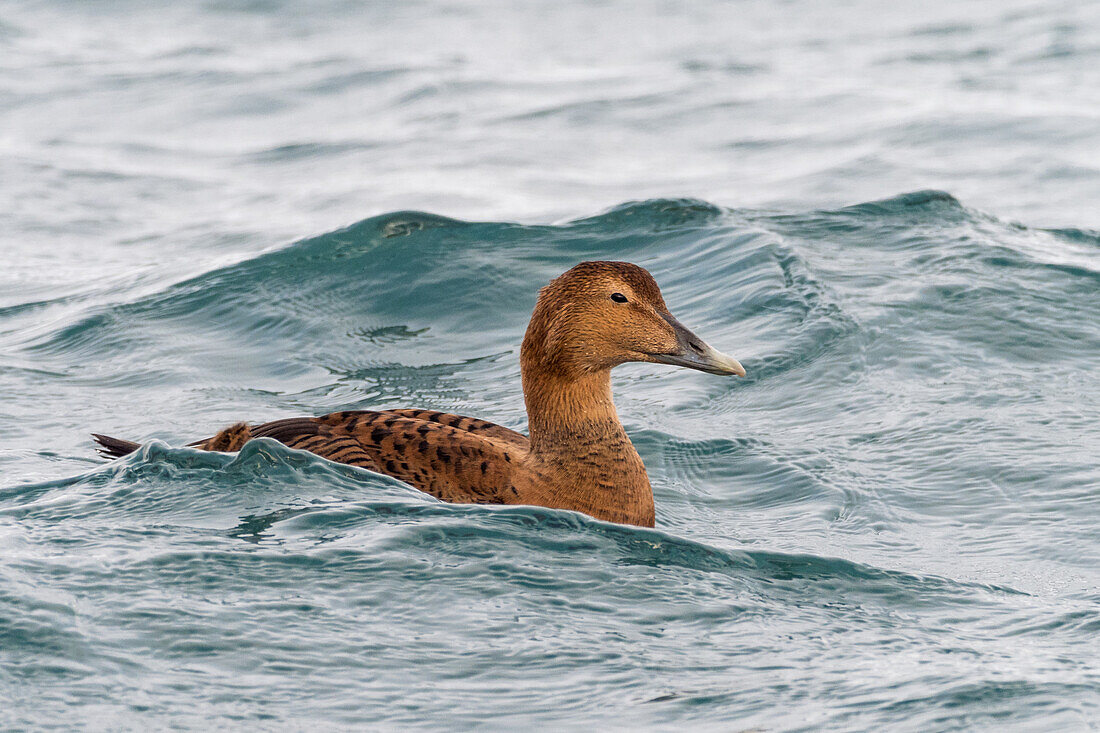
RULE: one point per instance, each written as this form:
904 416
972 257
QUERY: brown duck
592 318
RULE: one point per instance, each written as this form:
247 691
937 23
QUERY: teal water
891 523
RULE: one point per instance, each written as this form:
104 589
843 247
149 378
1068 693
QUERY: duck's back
452 457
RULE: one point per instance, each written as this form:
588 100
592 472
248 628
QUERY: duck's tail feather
229 440
113 447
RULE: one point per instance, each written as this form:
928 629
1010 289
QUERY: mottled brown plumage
587 321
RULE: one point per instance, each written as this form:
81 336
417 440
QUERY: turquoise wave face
889 523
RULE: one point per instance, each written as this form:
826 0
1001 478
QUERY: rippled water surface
251 210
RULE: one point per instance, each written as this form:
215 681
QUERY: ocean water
257 209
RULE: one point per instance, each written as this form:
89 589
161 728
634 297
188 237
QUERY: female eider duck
592 318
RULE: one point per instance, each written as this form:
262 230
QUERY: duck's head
602 314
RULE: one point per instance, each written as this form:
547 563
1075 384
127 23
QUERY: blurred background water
250 210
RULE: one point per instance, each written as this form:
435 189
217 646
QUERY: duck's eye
618 297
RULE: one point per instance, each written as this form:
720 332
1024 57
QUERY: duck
576 456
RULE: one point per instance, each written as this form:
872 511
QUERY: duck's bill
709 361
695 353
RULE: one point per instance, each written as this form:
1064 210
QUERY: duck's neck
580 448
562 410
